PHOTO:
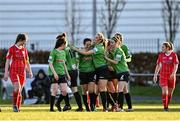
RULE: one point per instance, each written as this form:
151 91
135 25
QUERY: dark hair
20 37
119 37
59 42
41 71
63 35
86 40
168 45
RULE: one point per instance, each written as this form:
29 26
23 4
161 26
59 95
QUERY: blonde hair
169 45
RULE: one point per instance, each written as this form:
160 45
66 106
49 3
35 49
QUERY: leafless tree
73 20
110 15
171 18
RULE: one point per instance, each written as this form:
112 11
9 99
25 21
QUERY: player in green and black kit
73 72
119 38
86 75
122 72
101 68
57 72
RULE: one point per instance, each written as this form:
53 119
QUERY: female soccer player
122 73
57 71
167 64
18 60
101 68
112 84
73 72
124 47
86 75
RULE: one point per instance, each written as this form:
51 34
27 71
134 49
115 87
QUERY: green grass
141 112
150 90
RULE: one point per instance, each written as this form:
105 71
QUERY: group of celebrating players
102 68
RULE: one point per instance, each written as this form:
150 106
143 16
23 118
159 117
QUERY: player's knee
16 87
74 89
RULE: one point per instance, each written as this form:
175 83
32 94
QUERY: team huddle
102 69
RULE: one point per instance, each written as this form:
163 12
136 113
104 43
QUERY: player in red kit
18 60
167 64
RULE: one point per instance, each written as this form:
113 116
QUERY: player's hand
30 75
56 77
155 78
172 76
6 76
74 48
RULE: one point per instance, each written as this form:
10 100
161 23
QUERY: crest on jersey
170 58
23 52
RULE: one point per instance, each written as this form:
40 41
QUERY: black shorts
102 73
124 76
62 79
73 74
112 75
86 77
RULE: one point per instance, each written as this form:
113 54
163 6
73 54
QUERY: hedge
141 62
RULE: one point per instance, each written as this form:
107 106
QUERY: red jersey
168 63
18 57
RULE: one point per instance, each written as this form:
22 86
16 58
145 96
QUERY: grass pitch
141 112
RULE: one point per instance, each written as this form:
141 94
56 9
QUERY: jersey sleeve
9 54
175 59
159 60
51 57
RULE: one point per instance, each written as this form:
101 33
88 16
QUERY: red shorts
167 82
18 75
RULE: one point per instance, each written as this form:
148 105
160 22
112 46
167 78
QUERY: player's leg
92 90
111 94
126 91
164 87
121 86
115 83
84 85
16 91
84 96
171 87
21 85
64 87
73 74
102 83
128 97
165 97
54 90
92 95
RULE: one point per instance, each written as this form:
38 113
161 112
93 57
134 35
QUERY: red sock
15 94
19 100
165 100
169 98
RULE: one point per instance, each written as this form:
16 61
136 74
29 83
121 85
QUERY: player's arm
113 61
28 66
29 69
173 75
66 71
7 64
128 55
157 69
6 74
51 60
176 63
90 52
53 71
